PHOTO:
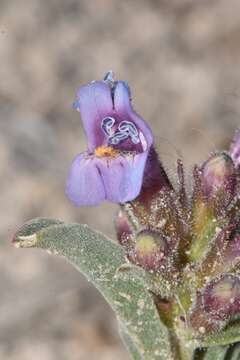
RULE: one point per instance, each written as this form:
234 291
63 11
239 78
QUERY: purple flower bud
221 298
149 251
232 252
235 149
123 228
118 145
219 179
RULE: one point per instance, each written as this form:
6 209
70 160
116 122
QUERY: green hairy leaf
228 335
227 352
216 353
101 261
233 352
128 342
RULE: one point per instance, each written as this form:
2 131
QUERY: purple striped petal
92 180
95 103
84 185
122 176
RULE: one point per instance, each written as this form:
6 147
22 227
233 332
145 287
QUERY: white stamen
143 141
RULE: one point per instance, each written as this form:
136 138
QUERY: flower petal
94 101
235 149
123 107
122 176
84 185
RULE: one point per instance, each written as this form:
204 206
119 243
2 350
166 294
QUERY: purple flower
118 145
235 149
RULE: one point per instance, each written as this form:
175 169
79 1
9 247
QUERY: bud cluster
189 242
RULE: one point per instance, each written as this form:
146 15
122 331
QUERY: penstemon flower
118 145
174 277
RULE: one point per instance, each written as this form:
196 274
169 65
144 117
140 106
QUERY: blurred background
181 59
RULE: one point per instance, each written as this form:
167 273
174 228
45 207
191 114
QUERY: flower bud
221 298
149 250
214 190
219 179
232 253
122 225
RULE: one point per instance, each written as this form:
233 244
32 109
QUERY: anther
125 129
117 137
107 124
130 129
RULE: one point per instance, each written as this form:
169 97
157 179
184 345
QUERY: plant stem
186 350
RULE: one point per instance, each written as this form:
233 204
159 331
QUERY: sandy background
181 59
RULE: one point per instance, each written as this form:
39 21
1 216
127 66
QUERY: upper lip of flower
108 118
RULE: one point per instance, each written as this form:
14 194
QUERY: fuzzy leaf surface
228 335
216 353
128 342
98 259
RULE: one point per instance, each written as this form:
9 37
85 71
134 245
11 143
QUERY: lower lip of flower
105 151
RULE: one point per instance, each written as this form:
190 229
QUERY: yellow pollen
105 151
